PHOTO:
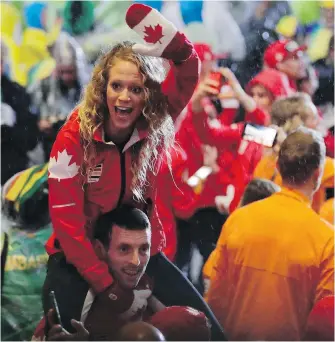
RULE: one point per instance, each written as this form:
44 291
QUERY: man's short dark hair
258 189
125 216
301 153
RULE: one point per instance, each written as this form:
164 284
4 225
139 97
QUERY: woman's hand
206 88
161 37
237 92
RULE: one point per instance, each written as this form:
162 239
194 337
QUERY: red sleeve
216 136
184 200
258 117
180 83
227 116
66 201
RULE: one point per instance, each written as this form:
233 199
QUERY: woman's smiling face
125 96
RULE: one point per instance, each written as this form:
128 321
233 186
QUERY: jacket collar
295 194
140 132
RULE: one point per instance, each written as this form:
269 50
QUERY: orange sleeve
325 287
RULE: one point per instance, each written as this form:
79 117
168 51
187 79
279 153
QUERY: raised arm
162 39
180 82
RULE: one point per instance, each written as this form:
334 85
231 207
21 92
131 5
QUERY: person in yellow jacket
289 113
276 256
256 190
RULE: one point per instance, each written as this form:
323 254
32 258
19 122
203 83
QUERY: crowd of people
161 153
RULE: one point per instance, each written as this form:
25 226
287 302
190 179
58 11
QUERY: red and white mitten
161 37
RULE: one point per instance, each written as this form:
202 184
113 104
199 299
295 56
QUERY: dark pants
201 231
171 288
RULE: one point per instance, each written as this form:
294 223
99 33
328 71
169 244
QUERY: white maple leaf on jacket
60 167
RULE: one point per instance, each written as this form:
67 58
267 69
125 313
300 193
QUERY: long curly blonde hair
93 111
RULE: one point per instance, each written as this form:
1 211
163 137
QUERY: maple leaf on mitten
153 35
160 35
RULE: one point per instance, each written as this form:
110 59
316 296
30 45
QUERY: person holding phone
106 154
122 239
238 150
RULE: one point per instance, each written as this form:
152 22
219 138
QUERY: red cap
182 323
204 52
281 50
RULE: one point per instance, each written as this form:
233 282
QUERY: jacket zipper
123 176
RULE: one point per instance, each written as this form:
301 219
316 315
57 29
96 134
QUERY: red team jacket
75 201
236 158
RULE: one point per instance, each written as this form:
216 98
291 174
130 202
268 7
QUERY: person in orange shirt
289 113
256 190
276 256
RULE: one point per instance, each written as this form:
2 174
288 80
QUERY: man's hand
58 333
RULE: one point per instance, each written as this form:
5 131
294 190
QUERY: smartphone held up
217 77
265 136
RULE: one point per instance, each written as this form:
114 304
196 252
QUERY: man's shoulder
254 207
254 215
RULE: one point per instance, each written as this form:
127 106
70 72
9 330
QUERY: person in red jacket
186 135
287 57
237 157
267 86
106 154
177 200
